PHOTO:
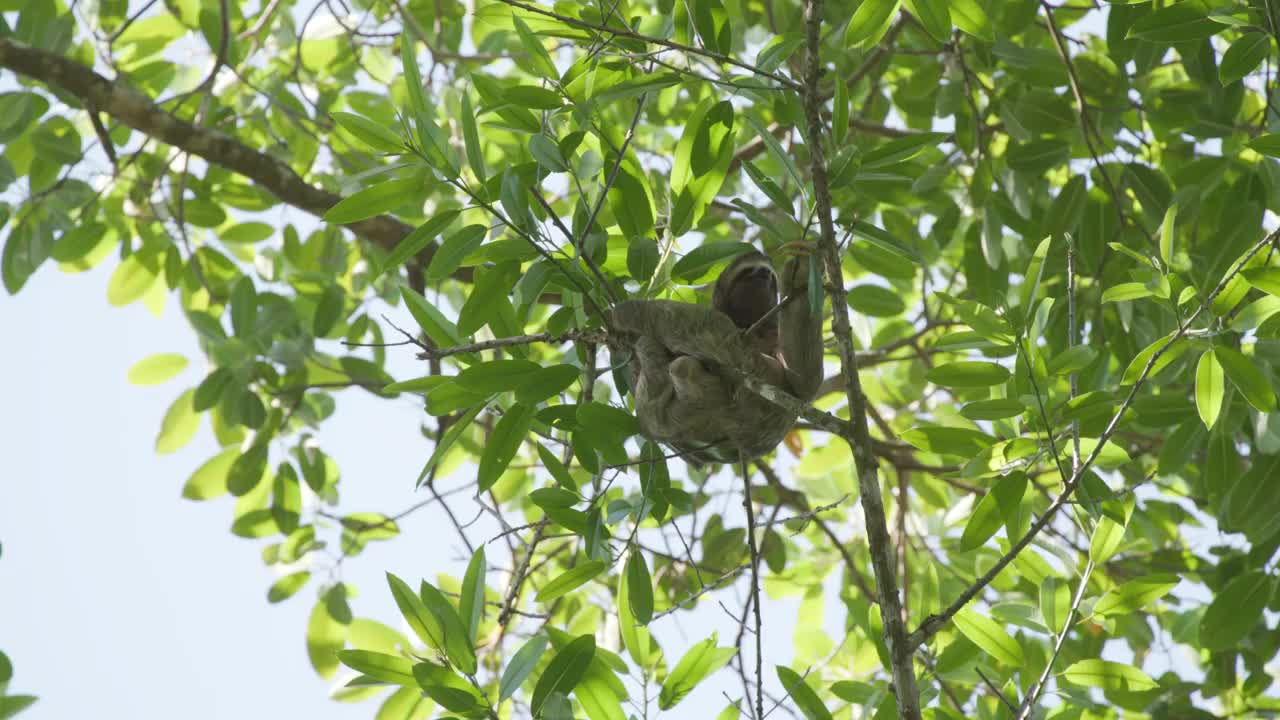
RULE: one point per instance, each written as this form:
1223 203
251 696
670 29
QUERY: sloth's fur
684 398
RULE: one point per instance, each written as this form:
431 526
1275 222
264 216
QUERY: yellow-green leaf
990 636
1211 388
179 425
156 369
1108 675
570 579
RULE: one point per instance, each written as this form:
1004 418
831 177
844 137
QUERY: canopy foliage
1040 481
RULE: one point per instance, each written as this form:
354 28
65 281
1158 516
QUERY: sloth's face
747 289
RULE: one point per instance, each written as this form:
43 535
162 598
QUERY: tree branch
122 102
859 436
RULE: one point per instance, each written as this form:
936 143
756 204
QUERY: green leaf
900 150
547 154
1268 144
1038 156
1072 360
803 695
778 50
1211 388
984 521
876 301
547 382
375 200
768 187
962 442
156 369
471 604
775 148
328 310
129 281
1135 595
1140 361
326 633
415 241
869 22
210 479
1055 603
699 261
935 18
642 258
564 671
630 198
698 662
1247 378
423 623
537 52
990 636
1106 539
639 588
1126 291
1266 279
968 374
532 97
457 638
471 139
507 436
570 579
521 664
433 322
1108 675
387 668
840 113
969 16
247 470
243 308
377 137
1168 228
1235 610
498 375
996 409
455 431
179 425
702 160
285 587
11 705
1244 56
446 687
1035 270
1180 22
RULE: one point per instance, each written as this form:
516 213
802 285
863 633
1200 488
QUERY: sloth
684 397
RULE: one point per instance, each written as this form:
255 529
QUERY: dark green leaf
421 237
505 440
639 588
564 671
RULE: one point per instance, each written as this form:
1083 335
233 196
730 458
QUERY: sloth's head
746 290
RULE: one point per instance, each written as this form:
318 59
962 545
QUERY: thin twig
755 580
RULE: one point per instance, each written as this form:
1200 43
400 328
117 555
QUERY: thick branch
129 106
859 436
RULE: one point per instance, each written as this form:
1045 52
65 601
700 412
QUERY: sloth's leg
800 331
653 392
